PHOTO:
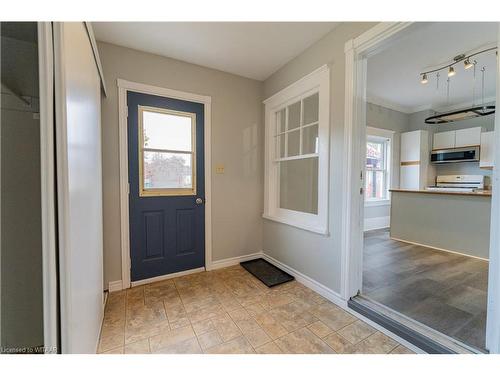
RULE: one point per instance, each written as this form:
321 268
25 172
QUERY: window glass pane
311 108
374 155
165 170
293 143
281 121
299 185
310 140
294 116
166 131
281 145
374 185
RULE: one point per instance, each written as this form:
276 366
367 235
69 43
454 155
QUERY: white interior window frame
386 136
316 82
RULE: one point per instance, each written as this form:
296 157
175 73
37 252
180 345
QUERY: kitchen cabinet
486 159
444 140
468 137
457 138
414 159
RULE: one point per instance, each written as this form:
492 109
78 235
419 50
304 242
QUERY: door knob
199 201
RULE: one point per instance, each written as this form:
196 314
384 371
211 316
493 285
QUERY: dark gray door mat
266 272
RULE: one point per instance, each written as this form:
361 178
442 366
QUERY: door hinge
361 190
126 111
128 188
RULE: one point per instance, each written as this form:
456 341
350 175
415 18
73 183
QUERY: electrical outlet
219 169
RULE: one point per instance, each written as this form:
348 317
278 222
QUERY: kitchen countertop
484 193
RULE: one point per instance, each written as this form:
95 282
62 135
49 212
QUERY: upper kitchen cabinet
444 140
468 137
486 160
457 138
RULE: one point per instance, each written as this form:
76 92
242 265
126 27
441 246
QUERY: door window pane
164 170
167 144
167 131
299 185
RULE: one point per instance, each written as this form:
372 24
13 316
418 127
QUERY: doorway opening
425 212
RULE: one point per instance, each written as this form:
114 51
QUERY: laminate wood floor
443 290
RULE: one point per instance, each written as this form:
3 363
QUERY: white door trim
356 51
123 87
493 312
47 163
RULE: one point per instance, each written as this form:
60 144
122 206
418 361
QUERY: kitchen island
452 221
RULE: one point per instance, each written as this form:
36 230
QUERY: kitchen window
297 136
377 169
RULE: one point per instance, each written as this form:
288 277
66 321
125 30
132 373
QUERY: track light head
424 79
451 72
468 64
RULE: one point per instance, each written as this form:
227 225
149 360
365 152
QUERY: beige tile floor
229 311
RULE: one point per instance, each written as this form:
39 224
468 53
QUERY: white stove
458 183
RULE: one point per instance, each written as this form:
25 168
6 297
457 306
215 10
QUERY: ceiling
393 77
249 49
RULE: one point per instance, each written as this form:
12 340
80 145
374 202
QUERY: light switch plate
219 169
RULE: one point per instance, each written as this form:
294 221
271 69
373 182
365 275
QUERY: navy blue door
167 189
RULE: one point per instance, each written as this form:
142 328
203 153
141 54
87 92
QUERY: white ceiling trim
387 104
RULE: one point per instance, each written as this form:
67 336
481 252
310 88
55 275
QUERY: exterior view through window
376 169
167 147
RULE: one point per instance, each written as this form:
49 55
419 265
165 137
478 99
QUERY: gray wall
416 122
312 254
237 143
389 119
21 237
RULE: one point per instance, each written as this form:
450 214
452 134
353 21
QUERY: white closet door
79 181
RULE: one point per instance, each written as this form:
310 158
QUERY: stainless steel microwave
455 155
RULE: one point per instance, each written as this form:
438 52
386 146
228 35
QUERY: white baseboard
115 286
380 222
232 261
310 283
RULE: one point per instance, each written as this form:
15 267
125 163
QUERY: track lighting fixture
467 59
468 64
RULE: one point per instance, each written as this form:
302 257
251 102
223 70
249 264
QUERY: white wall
237 195
312 254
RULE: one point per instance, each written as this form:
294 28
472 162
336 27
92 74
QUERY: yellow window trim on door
157 192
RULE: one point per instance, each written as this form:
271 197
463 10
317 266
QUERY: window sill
310 228
381 202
